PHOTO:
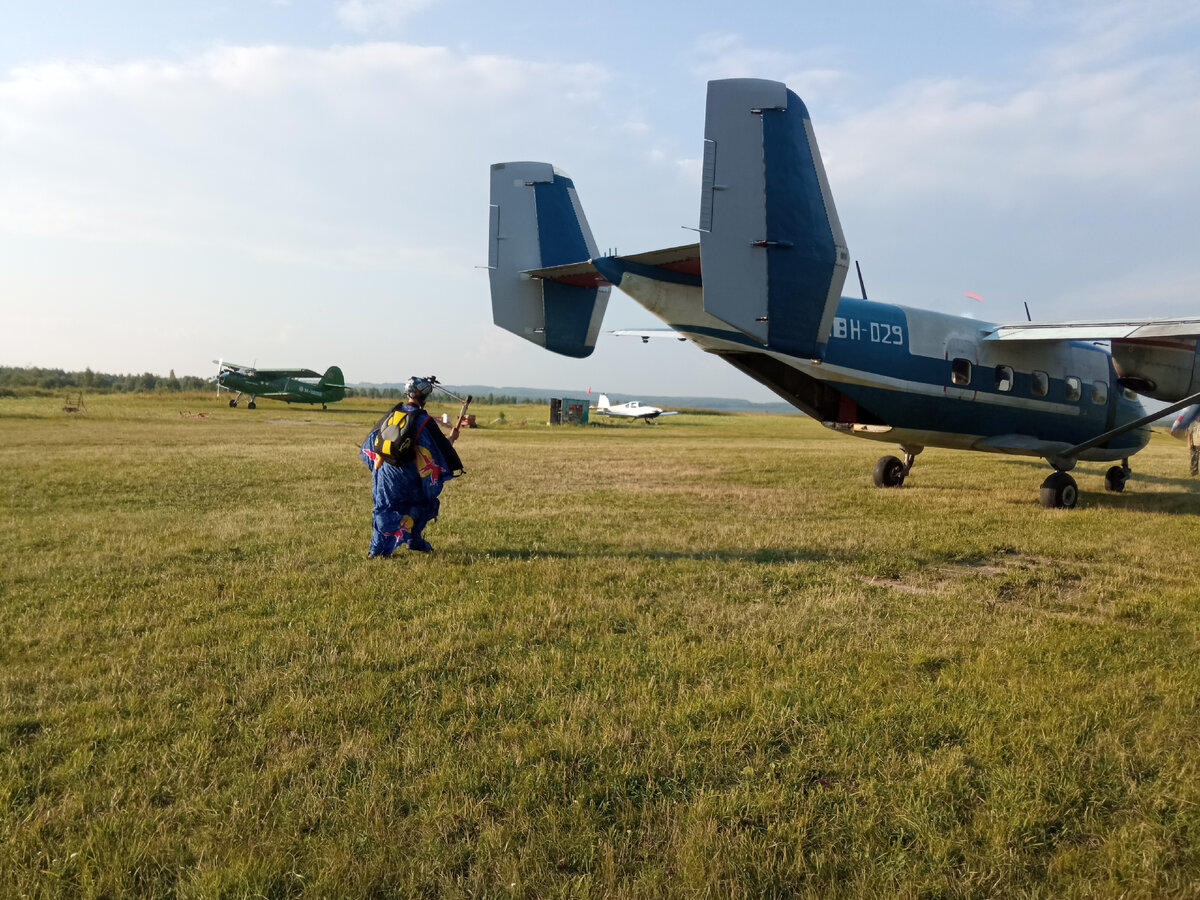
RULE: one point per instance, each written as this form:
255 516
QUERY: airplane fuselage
915 377
290 390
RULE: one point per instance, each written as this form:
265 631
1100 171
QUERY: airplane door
962 373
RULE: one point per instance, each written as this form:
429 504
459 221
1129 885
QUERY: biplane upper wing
286 373
268 374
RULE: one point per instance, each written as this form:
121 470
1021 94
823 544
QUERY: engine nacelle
1162 368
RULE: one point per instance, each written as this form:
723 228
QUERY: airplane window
960 371
1099 392
1072 387
1004 378
1039 383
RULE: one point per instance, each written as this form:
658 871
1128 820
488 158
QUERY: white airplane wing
647 333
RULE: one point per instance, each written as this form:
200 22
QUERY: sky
305 182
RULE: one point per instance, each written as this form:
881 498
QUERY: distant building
568 411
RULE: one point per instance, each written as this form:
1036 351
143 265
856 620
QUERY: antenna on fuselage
1028 317
861 284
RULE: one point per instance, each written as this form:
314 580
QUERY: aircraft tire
1114 479
1059 491
251 405
889 472
232 404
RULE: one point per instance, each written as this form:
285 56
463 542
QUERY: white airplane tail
602 403
772 252
536 221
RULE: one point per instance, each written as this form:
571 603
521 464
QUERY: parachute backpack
396 436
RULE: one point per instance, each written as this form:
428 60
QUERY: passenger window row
1039 382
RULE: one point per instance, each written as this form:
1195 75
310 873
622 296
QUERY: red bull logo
426 466
404 532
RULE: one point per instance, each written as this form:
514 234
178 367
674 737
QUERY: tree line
18 380
33 380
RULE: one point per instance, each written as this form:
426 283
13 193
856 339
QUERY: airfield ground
702 658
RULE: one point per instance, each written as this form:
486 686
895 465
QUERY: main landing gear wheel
889 472
251 405
1059 491
232 404
1115 478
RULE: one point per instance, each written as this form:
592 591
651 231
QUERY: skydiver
1188 421
405 490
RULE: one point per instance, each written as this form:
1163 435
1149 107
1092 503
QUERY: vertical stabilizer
536 221
771 246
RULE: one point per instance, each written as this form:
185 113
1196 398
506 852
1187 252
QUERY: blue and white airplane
762 290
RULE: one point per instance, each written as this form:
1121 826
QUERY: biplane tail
334 379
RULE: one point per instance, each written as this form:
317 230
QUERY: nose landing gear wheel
1059 491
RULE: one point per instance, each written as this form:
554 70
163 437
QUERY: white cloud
283 152
367 15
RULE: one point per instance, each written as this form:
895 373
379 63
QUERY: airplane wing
254 372
226 366
1154 357
286 373
1099 330
646 333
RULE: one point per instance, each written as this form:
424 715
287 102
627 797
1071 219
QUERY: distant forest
16 380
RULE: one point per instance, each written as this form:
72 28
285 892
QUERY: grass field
701 659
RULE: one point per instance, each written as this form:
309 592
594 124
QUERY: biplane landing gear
251 405
891 472
1059 491
232 403
1115 477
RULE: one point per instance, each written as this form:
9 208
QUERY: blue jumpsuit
405 497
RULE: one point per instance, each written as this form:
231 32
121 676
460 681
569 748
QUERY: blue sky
305 183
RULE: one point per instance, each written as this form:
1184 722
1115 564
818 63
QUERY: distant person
410 461
1189 421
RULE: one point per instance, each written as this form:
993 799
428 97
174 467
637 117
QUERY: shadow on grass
770 556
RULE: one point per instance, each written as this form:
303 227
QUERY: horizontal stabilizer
536 222
773 253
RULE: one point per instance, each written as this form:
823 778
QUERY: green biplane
288 385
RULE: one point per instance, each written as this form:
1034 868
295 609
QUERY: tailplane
536 221
771 246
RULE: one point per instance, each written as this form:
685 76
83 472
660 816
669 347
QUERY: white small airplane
632 409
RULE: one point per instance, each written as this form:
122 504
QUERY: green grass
704 658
